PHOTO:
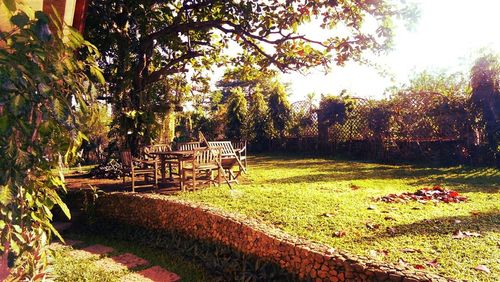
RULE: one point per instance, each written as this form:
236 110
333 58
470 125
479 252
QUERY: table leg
162 160
181 174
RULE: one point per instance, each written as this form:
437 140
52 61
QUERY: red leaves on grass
424 195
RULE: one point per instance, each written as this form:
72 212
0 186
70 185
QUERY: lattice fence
304 120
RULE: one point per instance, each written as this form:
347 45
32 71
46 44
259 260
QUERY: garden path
107 259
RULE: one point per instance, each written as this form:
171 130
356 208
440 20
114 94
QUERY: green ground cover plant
334 202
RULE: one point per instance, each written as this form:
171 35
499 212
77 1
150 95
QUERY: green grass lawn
71 269
314 198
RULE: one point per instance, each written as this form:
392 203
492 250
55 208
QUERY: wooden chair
203 163
136 167
188 146
229 159
240 147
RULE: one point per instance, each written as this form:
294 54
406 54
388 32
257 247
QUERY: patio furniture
229 159
165 159
135 167
240 147
188 146
202 163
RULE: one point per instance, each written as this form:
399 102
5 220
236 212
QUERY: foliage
43 86
236 115
315 197
485 83
334 109
378 116
147 41
279 109
95 125
259 122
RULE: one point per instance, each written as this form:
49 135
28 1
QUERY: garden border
306 259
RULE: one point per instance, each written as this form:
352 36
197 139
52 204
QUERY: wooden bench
229 158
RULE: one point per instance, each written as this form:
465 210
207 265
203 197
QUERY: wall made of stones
308 260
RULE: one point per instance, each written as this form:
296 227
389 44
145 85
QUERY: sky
446 37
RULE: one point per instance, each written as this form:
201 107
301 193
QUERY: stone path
121 262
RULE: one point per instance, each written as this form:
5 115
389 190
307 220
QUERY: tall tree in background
145 41
236 116
485 83
259 122
279 109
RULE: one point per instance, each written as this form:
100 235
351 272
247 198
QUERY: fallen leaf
458 235
475 212
389 218
328 214
471 234
371 207
456 221
433 263
354 187
410 250
373 253
419 266
416 208
372 226
391 231
339 234
482 268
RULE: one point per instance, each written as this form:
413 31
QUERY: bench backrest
226 146
188 146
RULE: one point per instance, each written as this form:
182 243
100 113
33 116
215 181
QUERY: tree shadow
480 223
463 179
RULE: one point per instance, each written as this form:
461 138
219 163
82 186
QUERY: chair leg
219 177
182 178
133 182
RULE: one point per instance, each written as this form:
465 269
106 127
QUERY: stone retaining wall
306 259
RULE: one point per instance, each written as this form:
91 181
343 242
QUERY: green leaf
97 73
5 195
20 20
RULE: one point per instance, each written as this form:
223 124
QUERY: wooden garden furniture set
194 163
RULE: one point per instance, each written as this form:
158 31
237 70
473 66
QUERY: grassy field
320 199
67 268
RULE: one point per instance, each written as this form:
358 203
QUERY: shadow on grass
483 222
463 179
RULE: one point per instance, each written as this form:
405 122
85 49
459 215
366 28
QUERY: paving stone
130 260
157 274
98 249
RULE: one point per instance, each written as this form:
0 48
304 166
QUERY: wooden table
177 156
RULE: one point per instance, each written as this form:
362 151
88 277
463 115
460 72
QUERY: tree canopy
147 40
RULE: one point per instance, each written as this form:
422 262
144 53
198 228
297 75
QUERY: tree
279 109
147 40
485 83
44 83
236 115
259 122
